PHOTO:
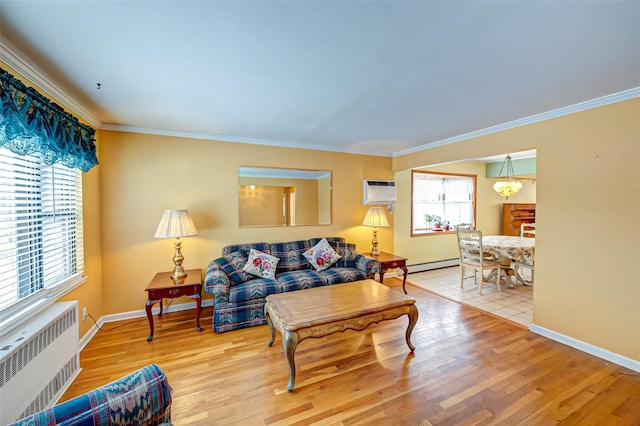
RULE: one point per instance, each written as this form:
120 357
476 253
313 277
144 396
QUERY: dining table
510 248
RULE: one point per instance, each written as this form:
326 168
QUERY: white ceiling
381 78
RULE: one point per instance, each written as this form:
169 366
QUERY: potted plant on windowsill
433 219
428 220
437 222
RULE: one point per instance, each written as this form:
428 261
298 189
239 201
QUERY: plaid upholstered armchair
141 398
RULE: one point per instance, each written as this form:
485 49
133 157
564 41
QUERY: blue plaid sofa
141 398
239 303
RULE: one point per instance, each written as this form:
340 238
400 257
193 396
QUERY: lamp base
178 273
178 270
374 243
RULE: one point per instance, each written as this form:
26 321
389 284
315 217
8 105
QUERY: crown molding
9 55
571 109
227 138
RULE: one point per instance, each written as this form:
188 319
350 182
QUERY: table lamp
176 224
375 217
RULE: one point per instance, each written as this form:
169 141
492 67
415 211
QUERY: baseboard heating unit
428 266
38 361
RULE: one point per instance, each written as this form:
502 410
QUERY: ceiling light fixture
507 185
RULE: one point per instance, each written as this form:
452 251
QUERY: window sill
31 306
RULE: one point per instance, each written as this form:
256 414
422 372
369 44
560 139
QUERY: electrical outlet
84 313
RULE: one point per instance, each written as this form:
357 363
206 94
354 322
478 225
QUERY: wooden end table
391 261
320 311
162 286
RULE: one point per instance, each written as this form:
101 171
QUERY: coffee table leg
290 343
271 329
413 319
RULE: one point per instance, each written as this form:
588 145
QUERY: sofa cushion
321 256
246 248
347 252
256 288
337 275
290 255
261 264
232 265
300 279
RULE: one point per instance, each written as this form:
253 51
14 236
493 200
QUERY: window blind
41 241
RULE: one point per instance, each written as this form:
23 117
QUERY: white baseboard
615 358
428 266
137 314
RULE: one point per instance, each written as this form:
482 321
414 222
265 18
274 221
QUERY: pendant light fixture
507 185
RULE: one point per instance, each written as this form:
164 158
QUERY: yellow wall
142 175
587 204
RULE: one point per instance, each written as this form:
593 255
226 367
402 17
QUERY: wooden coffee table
321 311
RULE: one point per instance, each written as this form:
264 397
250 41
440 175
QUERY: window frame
444 175
47 293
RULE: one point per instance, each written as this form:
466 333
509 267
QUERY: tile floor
514 304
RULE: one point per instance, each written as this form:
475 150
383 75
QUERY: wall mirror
283 197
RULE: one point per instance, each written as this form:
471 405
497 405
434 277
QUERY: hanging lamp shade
507 185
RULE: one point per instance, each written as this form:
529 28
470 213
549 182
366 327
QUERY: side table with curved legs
162 286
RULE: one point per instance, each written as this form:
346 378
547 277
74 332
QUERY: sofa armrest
216 280
142 397
367 264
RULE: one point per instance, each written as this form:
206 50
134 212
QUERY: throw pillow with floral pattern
261 264
322 255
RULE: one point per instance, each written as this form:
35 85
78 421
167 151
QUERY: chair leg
481 281
461 276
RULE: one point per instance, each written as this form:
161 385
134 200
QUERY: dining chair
487 254
526 230
471 256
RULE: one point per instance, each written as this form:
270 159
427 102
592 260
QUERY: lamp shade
175 224
507 188
376 217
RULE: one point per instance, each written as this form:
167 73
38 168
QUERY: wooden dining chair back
472 257
528 230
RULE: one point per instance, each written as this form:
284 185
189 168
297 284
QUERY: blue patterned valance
30 123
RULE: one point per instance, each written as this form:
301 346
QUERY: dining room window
441 201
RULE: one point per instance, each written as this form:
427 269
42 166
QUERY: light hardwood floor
469 368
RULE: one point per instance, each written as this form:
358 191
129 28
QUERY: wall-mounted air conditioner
379 193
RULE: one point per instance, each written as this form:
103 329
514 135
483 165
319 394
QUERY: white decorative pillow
321 256
261 264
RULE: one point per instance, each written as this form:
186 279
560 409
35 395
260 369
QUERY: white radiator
38 361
